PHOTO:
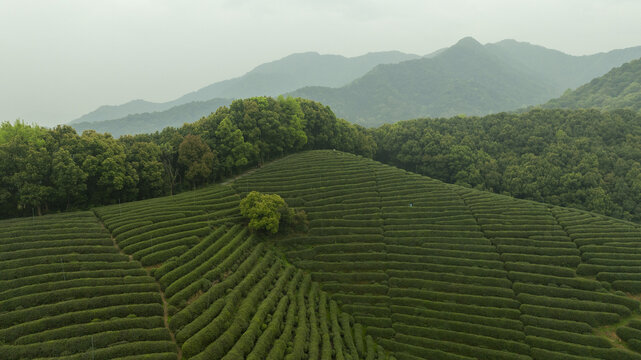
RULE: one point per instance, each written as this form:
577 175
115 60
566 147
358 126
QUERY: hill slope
425 269
271 79
431 268
65 289
620 88
467 78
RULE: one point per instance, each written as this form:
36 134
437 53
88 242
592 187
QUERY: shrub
264 211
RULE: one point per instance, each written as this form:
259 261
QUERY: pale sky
60 59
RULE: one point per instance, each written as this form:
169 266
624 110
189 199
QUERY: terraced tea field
443 272
395 265
67 293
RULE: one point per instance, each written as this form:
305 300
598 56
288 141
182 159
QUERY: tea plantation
395 265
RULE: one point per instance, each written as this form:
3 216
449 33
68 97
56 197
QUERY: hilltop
395 265
620 88
467 78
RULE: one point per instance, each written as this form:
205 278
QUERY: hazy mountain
108 112
152 121
467 78
295 71
271 79
561 70
620 88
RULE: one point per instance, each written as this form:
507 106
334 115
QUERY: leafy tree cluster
585 159
270 212
46 170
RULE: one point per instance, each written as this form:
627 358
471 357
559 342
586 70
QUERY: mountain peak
468 41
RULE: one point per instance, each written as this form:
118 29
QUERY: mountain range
270 79
467 78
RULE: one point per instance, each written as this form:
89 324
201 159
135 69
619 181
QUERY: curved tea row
443 272
67 293
395 265
230 295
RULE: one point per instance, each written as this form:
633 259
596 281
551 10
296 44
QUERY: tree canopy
586 159
58 169
264 211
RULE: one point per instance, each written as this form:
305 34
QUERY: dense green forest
46 170
618 89
586 159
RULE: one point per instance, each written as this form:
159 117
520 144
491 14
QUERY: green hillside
443 272
467 78
618 89
67 293
395 265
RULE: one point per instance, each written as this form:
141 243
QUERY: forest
586 159
48 170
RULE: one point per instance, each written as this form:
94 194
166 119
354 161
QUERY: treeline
48 170
585 159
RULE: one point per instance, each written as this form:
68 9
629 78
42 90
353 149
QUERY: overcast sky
62 59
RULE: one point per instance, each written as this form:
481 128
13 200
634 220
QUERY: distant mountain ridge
150 122
270 79
620 88
467 78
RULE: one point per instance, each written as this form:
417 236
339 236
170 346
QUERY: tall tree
233 151
28 164
68 179
110 178
197 158
145 159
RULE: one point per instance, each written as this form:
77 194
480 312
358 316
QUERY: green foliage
585 159
49 170
268 211
458 274
197 158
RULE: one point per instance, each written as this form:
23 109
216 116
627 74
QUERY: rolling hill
395 265
620 88
467 78
271 79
